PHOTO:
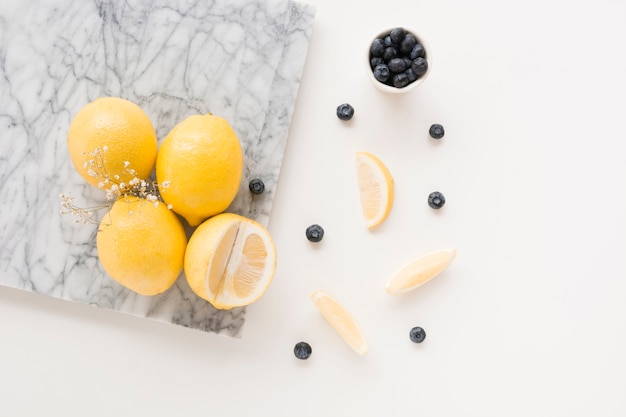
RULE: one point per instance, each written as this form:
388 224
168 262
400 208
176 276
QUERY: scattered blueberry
400 80
392 56
378 47
417 335
396 35
397 65
256 186
302 350
436 131
345 111
314 233
420 66
381 73
436 200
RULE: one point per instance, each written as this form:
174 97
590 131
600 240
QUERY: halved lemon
376 188
341 320
230 260
419 271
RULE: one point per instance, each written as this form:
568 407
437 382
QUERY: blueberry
436 200
388 41
314 233
400 80
375 60
390 53
436 131
397 65
410 75
417 51
256 186
378 47
407 44
396 35
417 335
302 350
345 111
381 73
420 66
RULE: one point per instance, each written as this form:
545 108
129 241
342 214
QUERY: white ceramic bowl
389 88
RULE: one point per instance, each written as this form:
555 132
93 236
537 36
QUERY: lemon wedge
376 188
419 271
230 261
341 320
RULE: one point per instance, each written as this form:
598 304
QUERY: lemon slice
376 186
230 260
420 271
339 318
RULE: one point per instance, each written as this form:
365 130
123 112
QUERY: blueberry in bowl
398 60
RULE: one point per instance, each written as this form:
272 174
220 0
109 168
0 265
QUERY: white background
530 320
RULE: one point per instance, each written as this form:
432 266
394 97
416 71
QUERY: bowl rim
395 90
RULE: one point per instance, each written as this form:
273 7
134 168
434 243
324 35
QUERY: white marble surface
239 59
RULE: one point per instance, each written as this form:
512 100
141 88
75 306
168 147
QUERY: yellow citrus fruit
111 141
419 271
376 188
202 162
230 260
340 320
141 244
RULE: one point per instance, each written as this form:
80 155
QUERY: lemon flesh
141 245
419 271
230 261
111 141
341 320
201 160
376 188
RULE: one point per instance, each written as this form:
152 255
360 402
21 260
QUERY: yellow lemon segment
419 271
230 260
141 245
340 320
376 188
111 141
201 160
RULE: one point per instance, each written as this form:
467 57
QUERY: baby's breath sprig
83 215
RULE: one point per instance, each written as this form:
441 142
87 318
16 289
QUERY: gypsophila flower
83 215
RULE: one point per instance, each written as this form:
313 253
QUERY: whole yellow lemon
201 162
141 245
111 141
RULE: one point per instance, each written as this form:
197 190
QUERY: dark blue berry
400 80
436 200
345 111
375 60
410 74
302 350
436 131
407 44
256 186
397 65
381 73
396 35
378 47
420 66
314 233
417 335
417 51
390 53
388 41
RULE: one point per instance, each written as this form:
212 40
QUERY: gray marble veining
239 59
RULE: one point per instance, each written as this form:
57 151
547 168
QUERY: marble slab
240 59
